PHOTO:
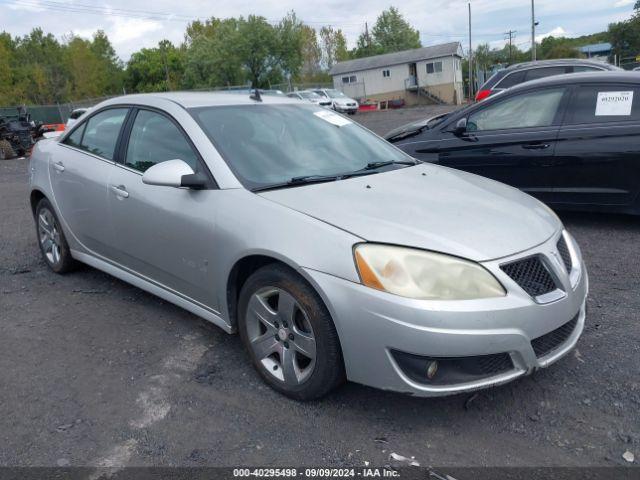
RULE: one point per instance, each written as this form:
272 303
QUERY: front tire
51 239
289 334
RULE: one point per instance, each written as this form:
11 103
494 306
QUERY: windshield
310 95
271 144
336 94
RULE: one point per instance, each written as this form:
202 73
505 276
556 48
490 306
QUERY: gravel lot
96 372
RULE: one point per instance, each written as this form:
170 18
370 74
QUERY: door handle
59 166
536 146
120 191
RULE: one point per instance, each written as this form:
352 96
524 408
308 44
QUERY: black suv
524 72
573 141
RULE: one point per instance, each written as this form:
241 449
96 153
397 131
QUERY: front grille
564 253
532 276
552 340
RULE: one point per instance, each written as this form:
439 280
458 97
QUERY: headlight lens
419 274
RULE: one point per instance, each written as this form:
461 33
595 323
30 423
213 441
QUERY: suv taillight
482 94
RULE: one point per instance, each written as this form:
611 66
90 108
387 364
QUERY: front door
598 153
79 179
511 141
164 234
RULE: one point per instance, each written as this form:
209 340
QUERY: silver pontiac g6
333 254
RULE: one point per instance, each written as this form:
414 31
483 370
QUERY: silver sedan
332 253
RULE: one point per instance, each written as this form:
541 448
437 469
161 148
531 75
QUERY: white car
341 103
75 115
312 97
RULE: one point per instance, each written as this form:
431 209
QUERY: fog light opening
432 369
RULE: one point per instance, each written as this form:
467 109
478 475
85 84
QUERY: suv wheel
289 334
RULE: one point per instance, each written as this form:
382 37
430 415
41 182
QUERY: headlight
423 275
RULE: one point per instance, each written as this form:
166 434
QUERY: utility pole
470 58
533 31
366 34
511 34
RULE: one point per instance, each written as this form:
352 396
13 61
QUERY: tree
333 45
625 36
390 33
155 69
311 53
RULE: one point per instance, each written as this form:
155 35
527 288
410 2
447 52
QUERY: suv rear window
536 73
510 80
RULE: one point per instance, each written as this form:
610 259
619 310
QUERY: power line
511 34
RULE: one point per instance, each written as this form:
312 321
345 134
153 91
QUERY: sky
135 24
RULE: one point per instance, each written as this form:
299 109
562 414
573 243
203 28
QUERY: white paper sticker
614 104
333 118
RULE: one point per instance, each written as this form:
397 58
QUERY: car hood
429 207
413 127
343 101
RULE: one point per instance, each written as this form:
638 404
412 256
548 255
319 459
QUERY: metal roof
596 48
396 58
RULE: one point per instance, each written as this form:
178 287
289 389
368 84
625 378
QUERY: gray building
419 75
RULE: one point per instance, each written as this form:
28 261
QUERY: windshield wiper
376 165
303 180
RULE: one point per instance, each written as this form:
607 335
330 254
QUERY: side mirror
173 173
461 127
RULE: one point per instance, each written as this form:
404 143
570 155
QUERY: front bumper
373 326
345 109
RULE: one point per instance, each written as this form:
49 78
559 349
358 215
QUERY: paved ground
96 372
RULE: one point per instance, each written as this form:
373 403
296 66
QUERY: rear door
164 234
511 140
79 171
598 152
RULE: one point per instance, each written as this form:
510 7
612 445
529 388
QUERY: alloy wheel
280 335
49 236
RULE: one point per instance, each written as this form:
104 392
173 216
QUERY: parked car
331 252
572 141
527 71
341 103
74 116
312 97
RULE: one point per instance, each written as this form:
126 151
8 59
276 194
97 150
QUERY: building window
349 79
386 73
434 67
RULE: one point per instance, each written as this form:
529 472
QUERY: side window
75 138
536 73
101 132
584 68
537 109
510 80
155 139
600 103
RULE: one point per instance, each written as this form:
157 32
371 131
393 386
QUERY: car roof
199 99
581 78
561 61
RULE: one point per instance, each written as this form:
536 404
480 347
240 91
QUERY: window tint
537 109
584 68
101 132
155 139
536 73
585 102
511 79
75 138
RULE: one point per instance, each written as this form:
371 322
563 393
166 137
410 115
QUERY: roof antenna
256 95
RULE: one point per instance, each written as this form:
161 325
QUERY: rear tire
6 150
289 334
51 239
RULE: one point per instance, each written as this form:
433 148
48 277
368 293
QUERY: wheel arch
249 263
34 198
